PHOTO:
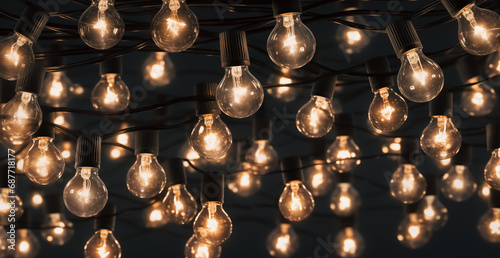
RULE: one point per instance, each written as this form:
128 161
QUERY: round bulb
212 225
441 139
103 244
56 89
296 203
197 249
432 212
146 178
27 244
351 40
110 94
315 118
180 206
478 30
85 194
36 200
479 99
388 111
407 184
484 191
239 94
283 241
158 69
44 163
4 245
244 183
349 243
175 27
16 54
458 184
318 178
100 26
345 200
5 200
210 137
419 79
22 115
493 66
262 157
489 225
492 170
412 233
57 230
154 215
283 93
342 154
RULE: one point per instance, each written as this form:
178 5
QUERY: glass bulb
103 245
5 202
492 170
44 163
283 241
388 111
283 93
27 244
351 40
85 194
16 54
158 69
180 206
342 154
175 27
318 178
291 44
244 183
4 245
212 225
210 137
493 66
197 249
412 233
478 30
489 225
22 115
154 215
239 94
345 200
315 118
432 213
56 229
110 94
262 157
441 139
56 89
420 79
458 184
407 184
146 178
484 191
100 26
349 243
479 99
296 202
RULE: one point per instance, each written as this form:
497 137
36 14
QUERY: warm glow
344 203
66 153
24 246
349 246
115 153
353 36
157 70
282 243
429 213
458 183
318 179
495 227
122 139
37 199
414 231
155 216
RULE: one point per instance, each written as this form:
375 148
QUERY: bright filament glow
197 249
5 200
407 184
345 200
478 30
318 178
262 157
210 137
44 163
245 183
57 229
484 191
22 115
212 225
36 200
349 243
56 89
343 153
432 212
412 233
146 178
154 216
441 139
103 244
479 99
388 111
296 203
110 94
16 54
489 225
458 183
492 170
179 204
85 194
158 69
315 118
351 40
283 241
27 244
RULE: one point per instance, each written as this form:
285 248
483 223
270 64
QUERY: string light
345 200
282 241
318 178
411 232
351 40
197 249
348 242
110 94
489 223
484 191
103 243
431 212
261 155
56 86
458 184
154 215
158 69
343 153
283 93
27 243
57 229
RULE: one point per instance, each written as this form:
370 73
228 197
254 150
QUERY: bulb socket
493 135
442 104
45 130
403 36
111 66
7 90
317 148
292 169
432 184
212 187
286 6
455 6
463 157
467 67
494 198
348 222
146 141
174 168
325 87
262 128
53 203
409 151
106 218
206 90
88 151
32 22
411 207
31 79
344 177
233 48
344 124
379 65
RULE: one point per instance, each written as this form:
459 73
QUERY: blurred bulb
16 54
63 119
283 241
27 245
212 225
388 111
345 200
22 115
458 183
392 146
100 26
85 194
432 213
493 66
349 243
110 94
180 206
175 27
283 93
315 118
444 162
441 139
55 89
56 229
118 152
36 200
44 163
244 183
351 40
478 30
210 137
158 69
146 178
479 99
492 170
4 250
5 206
262 157
291 44
489 225
197 249
343 153
188 153
420 79
412 233
154 215
77 89
103 245
407 184
296 202
484 191
66 148
318 178
239 93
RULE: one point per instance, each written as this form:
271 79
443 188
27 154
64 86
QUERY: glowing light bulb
212 225
492 66
146 178
36 200
283 241
484 191
57 230
407 184
345 200
343 153
479 99
158 69
22 116
283 93
296 202
388 111
85 194
262 157
440 139
492 170
349 243
180 206
56 89
103 245
244 183
27 244
197 249
5 201
489 225
44 163
175 27
458 184
16 54
315 118
154 216
432 212
351 40
100 26
318 178
110 94
4 251
210 137
412 233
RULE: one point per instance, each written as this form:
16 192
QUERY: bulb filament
173 22
388 109
296 204
111 96
13 55
85 191
101 16
290 42
145 168
211 138
441 136
469 15
102 251
239 90
212 224
177 202
43 162
416 66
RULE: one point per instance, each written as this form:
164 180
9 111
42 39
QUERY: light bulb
100 26
56 229
4 251
27 244
492 66
489 225
180 206
212 225
158 69
351 40
420 79
16 54
197 249
36 200
154 215
296 202
283 241
123 139
146 178
56 89
318 178
479 99
440 139
478 30
345 200
432 212
458 184
349 243
315 118
262 157
492 170
244 183
291 44
44 163
484 191
103 245
239 94
5 205
388 111
110 94
407 184
22 115
412 233
175 27
188 153
85 194
343 154
283 93
210 137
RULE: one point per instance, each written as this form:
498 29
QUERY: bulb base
146 141
204 107
32 22
212 187
7 90
467 68
403 36
442 104
286 6
325 87
493 135
174 168
53 203
88 151
106 218
233 48
344 124
455 6
32 79
111 66
379 65
463 157
292 169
